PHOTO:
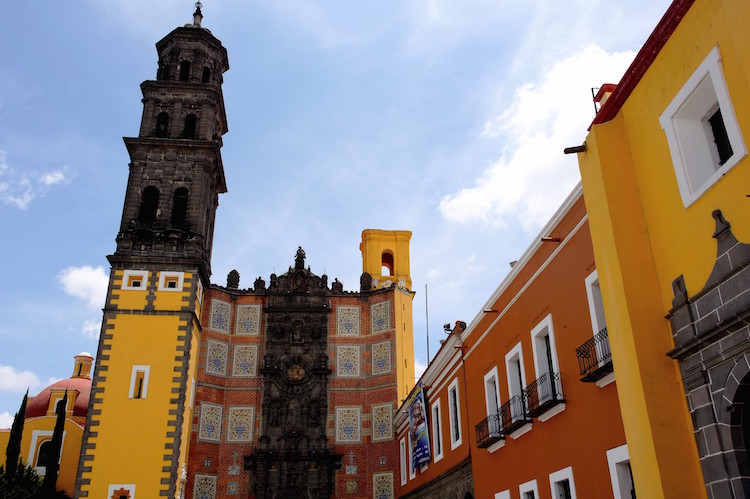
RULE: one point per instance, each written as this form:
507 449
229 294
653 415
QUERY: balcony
595 357
543 394
514 414
489 431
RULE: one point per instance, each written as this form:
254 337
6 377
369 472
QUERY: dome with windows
78 388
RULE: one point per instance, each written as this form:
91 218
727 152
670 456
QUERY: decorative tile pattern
221 315
381 358
210 425
382 422
347 321
205 487
380 315
240 426
232 489
216 358
248 320
382 486
245 360
348 424
347 361
351 486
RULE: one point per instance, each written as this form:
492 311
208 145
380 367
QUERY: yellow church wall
174 300
187 421
73 436
644 238
141 340
404 342
127 299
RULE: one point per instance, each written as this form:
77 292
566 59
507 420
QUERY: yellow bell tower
385 259
141 407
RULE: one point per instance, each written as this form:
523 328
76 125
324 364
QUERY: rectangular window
402 451
171 281
437 434
135 279
702 130
139 382
516 374
562 485
547 389
529 490
455 414
596 304
492 402
412 468
620 472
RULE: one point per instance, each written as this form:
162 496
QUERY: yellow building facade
665 174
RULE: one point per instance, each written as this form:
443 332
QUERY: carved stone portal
293 457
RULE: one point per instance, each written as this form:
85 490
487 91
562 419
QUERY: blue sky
446 118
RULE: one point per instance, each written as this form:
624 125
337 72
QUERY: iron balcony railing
514 414
595 357
544 393
489 430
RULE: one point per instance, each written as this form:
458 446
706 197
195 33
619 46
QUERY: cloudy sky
446 118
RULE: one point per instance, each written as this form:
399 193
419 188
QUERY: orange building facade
522 401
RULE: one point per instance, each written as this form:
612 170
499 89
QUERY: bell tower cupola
176 172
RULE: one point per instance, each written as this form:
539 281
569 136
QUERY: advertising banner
420 441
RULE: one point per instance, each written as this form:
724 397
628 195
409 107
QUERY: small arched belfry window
206 75
184 70
149 205
386 264
190 125
179 207
162 125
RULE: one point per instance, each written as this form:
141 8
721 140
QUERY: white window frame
37 435
437 430
598 319
516 353
546 328
404 463
453 389
618 456
412 468
505 494
530 486
559 476
690 138
146 370
142 274
492 375
163 276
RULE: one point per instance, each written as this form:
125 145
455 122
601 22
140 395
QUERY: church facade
287 388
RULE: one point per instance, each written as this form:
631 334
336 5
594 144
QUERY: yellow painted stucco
644 238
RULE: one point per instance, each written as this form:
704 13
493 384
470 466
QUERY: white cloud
419 368
19 189
91 328
6 420
12 380
89 283
532 176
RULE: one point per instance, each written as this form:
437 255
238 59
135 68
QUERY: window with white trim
412 468
596 304
516 374
437 433
561 484
402 453
529 490
454 411
492 402
505 494
171 281
139 382
40 449
702 130
546 363
620 472
135 279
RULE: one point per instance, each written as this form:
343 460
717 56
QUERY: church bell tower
140 414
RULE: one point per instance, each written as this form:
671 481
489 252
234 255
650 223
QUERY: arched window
149 205
184 70
206 75
189 130
162 124
179 207
163 72
386 265
44 454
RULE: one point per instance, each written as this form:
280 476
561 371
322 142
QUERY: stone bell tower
139 420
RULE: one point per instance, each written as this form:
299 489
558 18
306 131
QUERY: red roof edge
643 60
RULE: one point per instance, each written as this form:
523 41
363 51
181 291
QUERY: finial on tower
197 15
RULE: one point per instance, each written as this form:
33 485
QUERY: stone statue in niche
299 259
296 338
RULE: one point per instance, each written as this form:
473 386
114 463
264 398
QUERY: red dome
37 406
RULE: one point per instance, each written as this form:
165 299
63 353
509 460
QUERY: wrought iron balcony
514 414
489 430
544 393
595 357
